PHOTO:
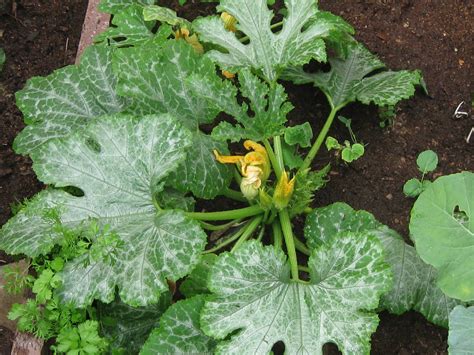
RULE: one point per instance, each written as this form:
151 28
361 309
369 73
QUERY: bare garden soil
39 36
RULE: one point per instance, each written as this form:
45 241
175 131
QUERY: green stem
227 241
277 235
234 195
273 158
261 233
226 215
248 232
304 268
212 227
279 155
290 243
275 25
319 141
301 247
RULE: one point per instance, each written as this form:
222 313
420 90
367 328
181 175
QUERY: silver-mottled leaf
65 101
297 43
119 163
179 331
153 77
201 173
461 331
253 294
347 80
414 281
116 6
127 328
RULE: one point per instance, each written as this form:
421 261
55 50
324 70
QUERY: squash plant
122 142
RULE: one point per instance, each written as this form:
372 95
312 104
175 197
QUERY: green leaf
116 6
164 15
414 282
129 28
172 199
84 339
201 173
307 183
461 331
119 164
352 153
442 227
44 285
332 143
348 80
126 328
291 157
65 101
427 161
300 134
153 77
413 188
3 58
296 44
268 104
255 300
196 282
180 331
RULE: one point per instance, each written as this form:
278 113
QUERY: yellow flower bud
229 21
183 33
283 191
228 74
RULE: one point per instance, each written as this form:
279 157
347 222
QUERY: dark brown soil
434 36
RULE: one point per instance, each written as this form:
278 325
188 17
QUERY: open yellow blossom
192 40
254 167
229 22
283 191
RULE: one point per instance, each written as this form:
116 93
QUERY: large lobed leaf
442 227
116 6
255 300
153 77
349 80
297 43
65 101
414 284
268 104
120 164
180 331
461 331
127 328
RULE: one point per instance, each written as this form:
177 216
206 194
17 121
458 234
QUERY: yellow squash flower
254 167
229 22
283 191
192 40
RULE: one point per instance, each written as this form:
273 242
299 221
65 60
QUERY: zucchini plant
137 136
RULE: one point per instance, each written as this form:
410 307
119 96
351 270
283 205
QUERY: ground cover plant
121 141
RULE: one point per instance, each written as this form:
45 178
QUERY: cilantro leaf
64 102
84 339
126 328
348 80
297 43
180 331
44 285
253 293
414 284
442 226
120 164
461 331
268 104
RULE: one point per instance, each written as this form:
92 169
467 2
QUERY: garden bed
403 34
